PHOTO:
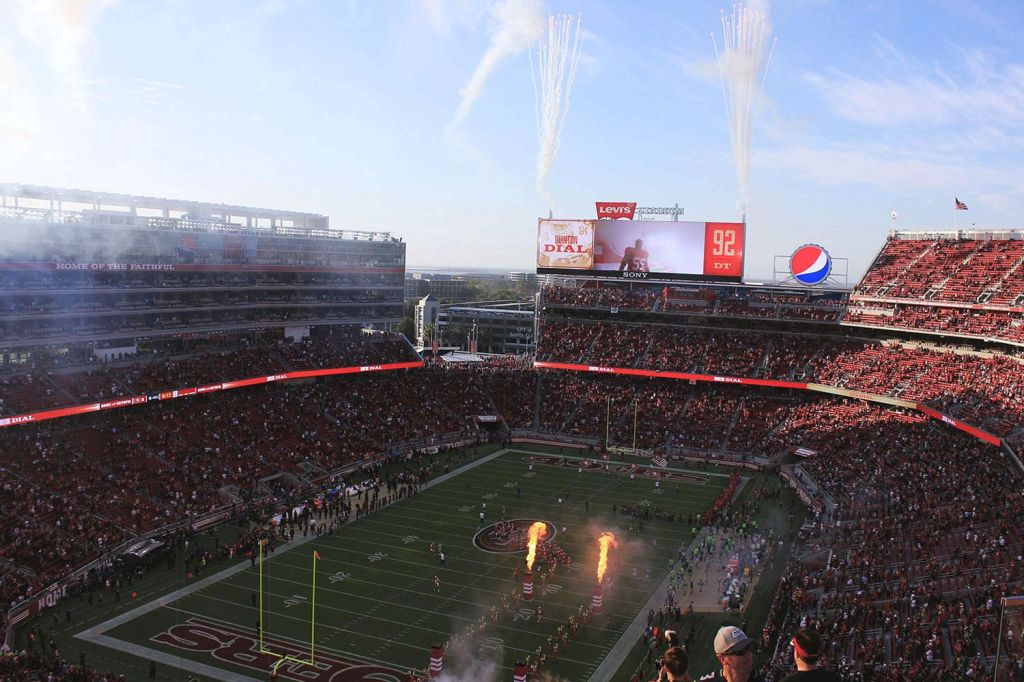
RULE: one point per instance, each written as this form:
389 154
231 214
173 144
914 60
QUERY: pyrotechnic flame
743 68
538 530
606 540
558 53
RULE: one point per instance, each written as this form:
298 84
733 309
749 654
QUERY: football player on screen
635 258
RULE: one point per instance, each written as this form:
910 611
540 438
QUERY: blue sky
342 108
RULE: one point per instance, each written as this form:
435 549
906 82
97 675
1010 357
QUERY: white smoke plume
474 671
516 24
558 53
743 69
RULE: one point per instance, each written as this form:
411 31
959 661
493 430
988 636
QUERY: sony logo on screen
635 275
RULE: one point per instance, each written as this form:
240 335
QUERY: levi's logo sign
616 209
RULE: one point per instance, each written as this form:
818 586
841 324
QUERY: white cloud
906 128
442 15
892 169
978 89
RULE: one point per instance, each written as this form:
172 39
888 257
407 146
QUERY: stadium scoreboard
641 249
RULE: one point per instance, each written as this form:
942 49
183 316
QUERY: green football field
377 609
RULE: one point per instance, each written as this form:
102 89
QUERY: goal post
281 657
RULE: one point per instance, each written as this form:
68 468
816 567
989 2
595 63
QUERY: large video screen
641 249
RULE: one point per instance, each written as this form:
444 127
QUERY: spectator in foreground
735 653
807 650
674 665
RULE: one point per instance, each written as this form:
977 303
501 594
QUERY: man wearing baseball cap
735 653
807 651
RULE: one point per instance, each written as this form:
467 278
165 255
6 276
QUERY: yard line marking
414 608
340 629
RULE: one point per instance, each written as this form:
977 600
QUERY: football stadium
242 443
215 466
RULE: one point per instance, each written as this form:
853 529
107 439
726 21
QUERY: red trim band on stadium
188 267
985 436
44 415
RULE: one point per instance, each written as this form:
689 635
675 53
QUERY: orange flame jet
538 530
606 540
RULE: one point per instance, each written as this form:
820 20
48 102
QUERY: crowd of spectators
944 269
639 298
998 324
960 287
982 388
926 542
972 287
707 300
920 555
39 388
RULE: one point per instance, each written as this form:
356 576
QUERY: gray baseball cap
731 639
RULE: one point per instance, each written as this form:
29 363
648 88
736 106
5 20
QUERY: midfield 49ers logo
240 648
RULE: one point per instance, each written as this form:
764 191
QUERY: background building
88 274
426 314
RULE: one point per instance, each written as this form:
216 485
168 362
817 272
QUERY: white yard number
490 496
724 242
377 556
552 589
339 577
524 614
493 643
294 600
409 539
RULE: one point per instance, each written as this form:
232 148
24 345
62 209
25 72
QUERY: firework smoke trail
537 531
605 541
745 34
558 53
516 24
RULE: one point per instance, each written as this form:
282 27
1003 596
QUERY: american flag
660 461
959 205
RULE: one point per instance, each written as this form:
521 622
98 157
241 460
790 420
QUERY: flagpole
956 216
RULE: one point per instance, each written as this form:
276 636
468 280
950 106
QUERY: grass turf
376 602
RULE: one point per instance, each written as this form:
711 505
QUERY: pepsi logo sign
810 264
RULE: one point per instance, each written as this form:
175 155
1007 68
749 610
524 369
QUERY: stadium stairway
997 296
726 439
585 357
538 390
762 366
641 361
